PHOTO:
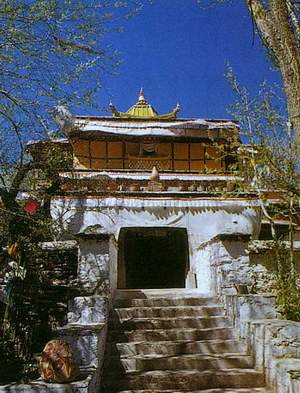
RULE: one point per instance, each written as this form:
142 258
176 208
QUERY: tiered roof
142 120
143 110
176 128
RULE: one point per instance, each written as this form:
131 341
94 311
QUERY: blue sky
178 52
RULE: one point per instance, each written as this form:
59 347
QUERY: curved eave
52 140
44 143
232 204
87 118
186 136
171 129
154 116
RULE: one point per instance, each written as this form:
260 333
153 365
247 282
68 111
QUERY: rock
57 363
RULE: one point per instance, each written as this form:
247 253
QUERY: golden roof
143 110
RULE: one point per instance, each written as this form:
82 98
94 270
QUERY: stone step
183 362
153 335
166 302
171 323
187 380
158 293
230 390
164 312
175 341
173 348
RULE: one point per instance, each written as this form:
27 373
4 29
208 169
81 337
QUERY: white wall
203 220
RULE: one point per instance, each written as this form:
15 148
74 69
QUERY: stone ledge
276 346
88 310
82 385
245 309
59 245
80 330
242 237
233 236
288 376
94 232
274 343
253 295
87 341
265 245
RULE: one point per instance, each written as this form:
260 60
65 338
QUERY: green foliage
51 51
274 159
288 296
271 163
287 283
10 364
32 309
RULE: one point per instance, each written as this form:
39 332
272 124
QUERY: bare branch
66 44
17 131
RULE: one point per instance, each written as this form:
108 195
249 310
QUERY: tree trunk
291 81
276 28
288 57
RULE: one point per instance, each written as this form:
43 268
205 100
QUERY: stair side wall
274 343
225 258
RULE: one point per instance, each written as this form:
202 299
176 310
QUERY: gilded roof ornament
143 110
142 97
113 109
177 108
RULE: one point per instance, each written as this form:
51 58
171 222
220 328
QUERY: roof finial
177 108
141 96
113 109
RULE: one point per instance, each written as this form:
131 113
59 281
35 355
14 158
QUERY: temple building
140 138
158 230
160 186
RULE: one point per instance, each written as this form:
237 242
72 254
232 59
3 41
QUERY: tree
277 22
51 51
270 163
273 159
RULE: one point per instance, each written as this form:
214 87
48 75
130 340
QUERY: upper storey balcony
140 138
118 153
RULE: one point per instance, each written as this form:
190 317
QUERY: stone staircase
175 341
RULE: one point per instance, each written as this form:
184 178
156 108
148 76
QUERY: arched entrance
152 258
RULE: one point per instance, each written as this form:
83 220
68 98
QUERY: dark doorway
152 258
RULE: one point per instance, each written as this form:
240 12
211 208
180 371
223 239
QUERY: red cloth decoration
31 206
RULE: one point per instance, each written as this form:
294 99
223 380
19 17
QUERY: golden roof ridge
143 110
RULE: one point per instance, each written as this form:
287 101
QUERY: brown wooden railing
162 163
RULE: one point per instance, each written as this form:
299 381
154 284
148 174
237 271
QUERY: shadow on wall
235 249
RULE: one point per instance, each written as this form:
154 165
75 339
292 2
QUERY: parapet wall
87 320
274 343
